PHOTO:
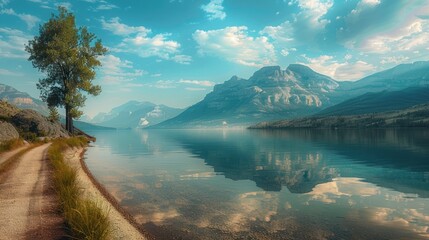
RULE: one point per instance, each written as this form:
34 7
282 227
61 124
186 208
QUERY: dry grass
11 145
85 218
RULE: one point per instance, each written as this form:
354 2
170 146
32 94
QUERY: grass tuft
11 145
85 218
88 221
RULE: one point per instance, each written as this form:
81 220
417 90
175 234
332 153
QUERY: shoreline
109 198
123 224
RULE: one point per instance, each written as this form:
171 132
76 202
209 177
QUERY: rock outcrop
30 121
7 132
27 124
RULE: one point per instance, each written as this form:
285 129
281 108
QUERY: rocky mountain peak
270 72
299 68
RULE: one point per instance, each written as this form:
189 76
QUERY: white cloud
190 85
30 20
103 5
12 43
43 3
306 26
364 5
197 82
66 5
284 52
195 89
138 41
183 59
235 45
348 57
106 6
282 33
6 72
3 3
327 65
118 71
164 84
394 59
214 9
113 25
388 36
313 11
413 36
354 70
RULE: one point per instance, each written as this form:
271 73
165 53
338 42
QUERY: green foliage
28 136
85 218
54 116
68 56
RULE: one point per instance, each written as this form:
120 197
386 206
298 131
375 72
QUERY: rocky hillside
22 100
26 123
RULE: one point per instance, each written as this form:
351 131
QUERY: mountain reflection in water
228 184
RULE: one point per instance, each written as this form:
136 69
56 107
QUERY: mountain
396 78
415 116
134 114
84 126
269 94
272 93
22 100
379 102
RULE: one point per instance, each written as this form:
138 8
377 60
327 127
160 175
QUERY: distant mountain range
135 114
415 116
397 78
22 100
272 93
379 102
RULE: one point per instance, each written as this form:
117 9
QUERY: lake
258 184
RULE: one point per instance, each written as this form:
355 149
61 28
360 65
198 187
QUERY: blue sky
173 51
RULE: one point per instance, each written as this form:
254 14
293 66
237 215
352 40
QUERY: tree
54 116
68 56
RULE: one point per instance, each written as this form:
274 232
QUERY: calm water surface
251 184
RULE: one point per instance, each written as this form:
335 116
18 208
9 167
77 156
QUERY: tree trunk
71 125
69 120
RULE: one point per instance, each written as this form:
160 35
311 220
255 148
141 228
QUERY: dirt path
28 205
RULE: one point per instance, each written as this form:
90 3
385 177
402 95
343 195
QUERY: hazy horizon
173 52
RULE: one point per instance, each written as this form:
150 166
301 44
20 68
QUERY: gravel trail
28 203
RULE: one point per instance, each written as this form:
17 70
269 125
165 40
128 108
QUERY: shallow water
254 184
